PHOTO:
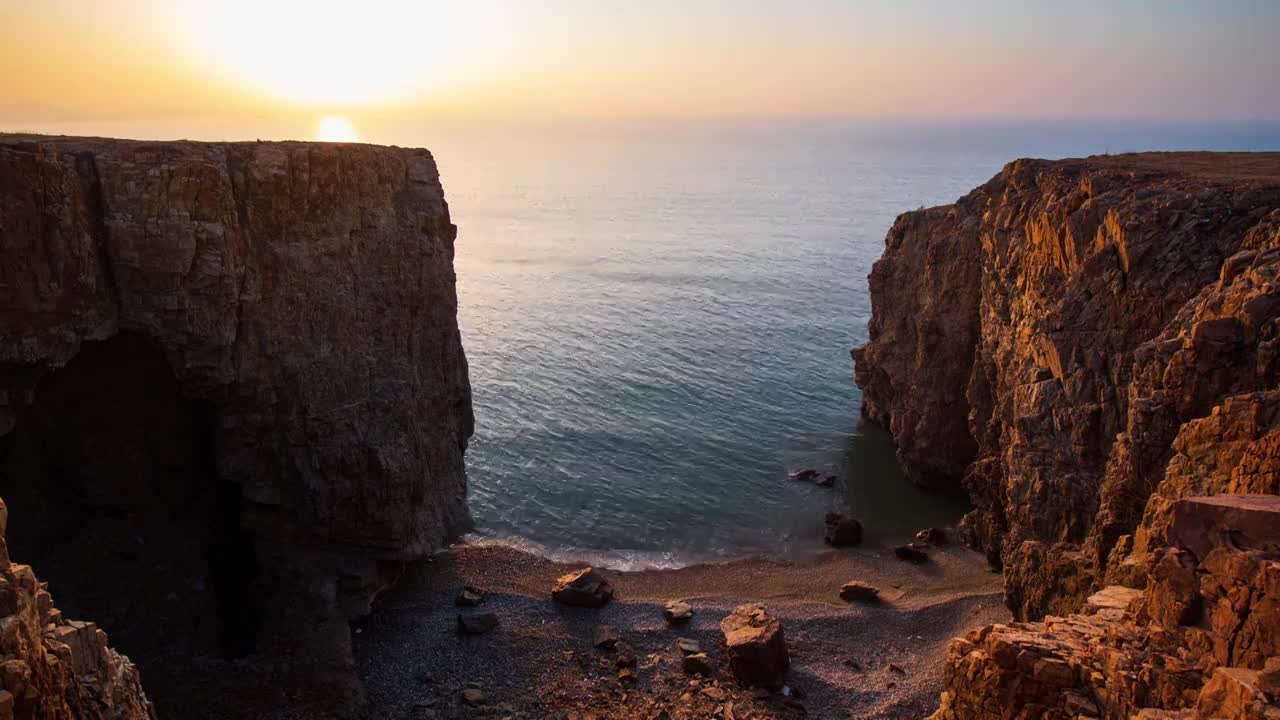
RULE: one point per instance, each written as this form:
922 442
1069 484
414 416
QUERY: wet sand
540 661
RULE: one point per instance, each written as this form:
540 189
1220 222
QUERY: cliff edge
1089 347
233 395
1080 343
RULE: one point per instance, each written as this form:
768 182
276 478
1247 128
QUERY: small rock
626 656
802 475
677 611
587 587
696 664
826 481
757 648
911 553
626 674
842 531
853 665
477 623
713 693
858 591
606 637
473 696
689 647
933 536
894 667
469 597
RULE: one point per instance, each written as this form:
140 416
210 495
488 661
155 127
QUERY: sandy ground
540 662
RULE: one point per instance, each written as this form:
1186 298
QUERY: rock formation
233 397
1090 348
55 668
1080 344
1198 640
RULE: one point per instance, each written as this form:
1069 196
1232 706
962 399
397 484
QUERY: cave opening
111 480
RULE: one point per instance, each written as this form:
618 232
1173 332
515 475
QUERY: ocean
658 321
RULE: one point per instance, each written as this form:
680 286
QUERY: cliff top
80 141
1216 166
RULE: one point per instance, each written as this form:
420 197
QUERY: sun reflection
335 129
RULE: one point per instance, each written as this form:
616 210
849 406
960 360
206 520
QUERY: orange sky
273 68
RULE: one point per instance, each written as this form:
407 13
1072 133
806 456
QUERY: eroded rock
756 646
1084 342
587 587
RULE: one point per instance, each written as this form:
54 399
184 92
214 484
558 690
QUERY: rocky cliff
1080 344
1089 347
233 397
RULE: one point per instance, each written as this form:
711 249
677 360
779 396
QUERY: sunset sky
279 68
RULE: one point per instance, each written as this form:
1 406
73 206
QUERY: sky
367 69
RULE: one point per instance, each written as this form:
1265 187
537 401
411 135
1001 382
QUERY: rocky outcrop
1081 344
1202 639
232 374
51 667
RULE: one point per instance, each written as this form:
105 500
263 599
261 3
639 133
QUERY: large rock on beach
756 646
587 588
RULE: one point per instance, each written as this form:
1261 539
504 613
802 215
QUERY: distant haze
382 68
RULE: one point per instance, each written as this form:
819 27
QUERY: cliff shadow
111 477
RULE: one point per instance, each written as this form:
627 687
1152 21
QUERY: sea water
658 320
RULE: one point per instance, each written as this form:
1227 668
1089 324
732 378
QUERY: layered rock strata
55 668
1081 344
233 396
1201 641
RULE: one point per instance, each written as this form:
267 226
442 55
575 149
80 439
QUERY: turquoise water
658 322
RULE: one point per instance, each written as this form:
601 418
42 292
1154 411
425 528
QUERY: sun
336 52
335 129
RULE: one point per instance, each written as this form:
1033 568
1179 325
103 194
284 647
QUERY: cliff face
233 372
1081 344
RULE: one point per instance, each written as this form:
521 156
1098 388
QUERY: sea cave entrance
115 500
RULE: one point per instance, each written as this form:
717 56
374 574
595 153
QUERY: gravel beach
876 660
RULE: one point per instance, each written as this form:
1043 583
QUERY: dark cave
111 480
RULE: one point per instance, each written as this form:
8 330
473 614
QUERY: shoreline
879 660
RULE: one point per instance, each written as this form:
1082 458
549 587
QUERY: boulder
587 587
858 591
842 531
605 637
677 611
696 664
756 646
689 647
469 597
933 536
625 655
1235 693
